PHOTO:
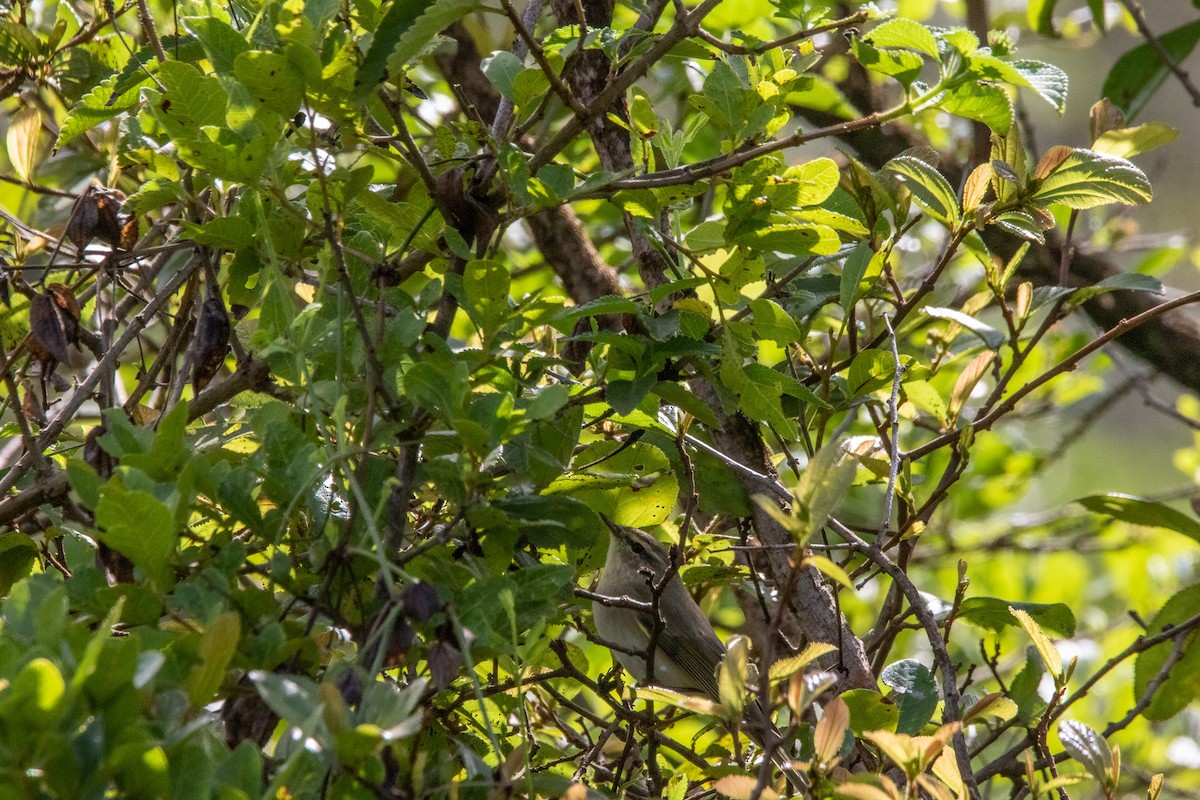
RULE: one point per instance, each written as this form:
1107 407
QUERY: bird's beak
612 526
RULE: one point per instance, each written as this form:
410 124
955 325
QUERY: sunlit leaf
993 614
1045 648
1088 179
931 191
1148 513
1087 747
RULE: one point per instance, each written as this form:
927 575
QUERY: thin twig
894 445
1069 363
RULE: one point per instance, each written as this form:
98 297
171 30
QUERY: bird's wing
697 654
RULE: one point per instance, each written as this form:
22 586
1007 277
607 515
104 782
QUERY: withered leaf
129 234
81 227
64 298
211 343
108 216
444 662
31 407
95 455
421 601
48 329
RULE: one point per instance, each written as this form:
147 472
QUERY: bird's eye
638 549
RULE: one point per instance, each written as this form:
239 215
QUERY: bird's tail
757 724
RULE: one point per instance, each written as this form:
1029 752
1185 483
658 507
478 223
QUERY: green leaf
984 103
1129 142
1124 281
632 487
85 481
1024 687
485 285
167 453
687 702
823 485
137 525
227 233
1087 179
625 395
1182 686
1019 223
1147 513
546 401
139 69
993 614
1047 80
687 401
758 394
832 219
221 42
904 33
217 646
18 553
925 397
931 191
870 371
271 80
830 569
732 675
406 27
707 236
870 711
726 98
1045 648
786 667
192 112
770 321
902 65
1040 16
536 591
502 68
294 698
610 304
552 520
18 44
1136 76
817 178
196 100
436 388
990 336
95 107
796 239
1088 748
916 694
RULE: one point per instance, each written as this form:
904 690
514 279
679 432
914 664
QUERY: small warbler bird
687 651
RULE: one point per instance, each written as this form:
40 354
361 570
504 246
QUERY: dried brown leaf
47 329
211 344
81 227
